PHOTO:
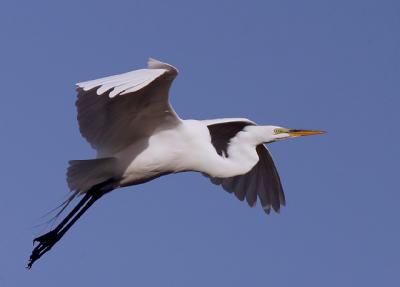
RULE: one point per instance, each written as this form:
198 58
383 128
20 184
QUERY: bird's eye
277 131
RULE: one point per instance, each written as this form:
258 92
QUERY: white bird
138 137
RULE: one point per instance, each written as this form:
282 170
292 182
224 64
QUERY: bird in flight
138 137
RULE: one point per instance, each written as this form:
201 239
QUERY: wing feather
240 189
115 111
272 177
252 189
262 181
263 195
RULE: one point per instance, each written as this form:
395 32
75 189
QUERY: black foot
46 242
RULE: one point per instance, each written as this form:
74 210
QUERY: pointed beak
300 133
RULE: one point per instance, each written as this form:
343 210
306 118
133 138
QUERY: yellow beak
299 133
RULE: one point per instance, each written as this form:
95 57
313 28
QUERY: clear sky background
332 65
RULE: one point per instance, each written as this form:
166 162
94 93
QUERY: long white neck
242 154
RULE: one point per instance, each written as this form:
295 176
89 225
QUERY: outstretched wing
261 181
115 111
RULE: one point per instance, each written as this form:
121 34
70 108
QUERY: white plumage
138 136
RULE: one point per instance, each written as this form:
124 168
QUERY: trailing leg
49 239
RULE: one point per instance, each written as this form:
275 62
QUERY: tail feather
83 174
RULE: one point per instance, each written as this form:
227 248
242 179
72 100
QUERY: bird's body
138 136
167 151
187 147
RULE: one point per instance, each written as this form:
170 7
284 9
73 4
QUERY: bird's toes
46 238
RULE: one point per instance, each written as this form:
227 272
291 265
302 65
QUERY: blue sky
332 65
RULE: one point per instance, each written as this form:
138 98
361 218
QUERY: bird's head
275 133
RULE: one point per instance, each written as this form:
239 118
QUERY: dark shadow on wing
221 134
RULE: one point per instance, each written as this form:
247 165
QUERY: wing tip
267 209
156 64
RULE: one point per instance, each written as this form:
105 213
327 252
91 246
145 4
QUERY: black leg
48 240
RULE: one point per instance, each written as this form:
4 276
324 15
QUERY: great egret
138 136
